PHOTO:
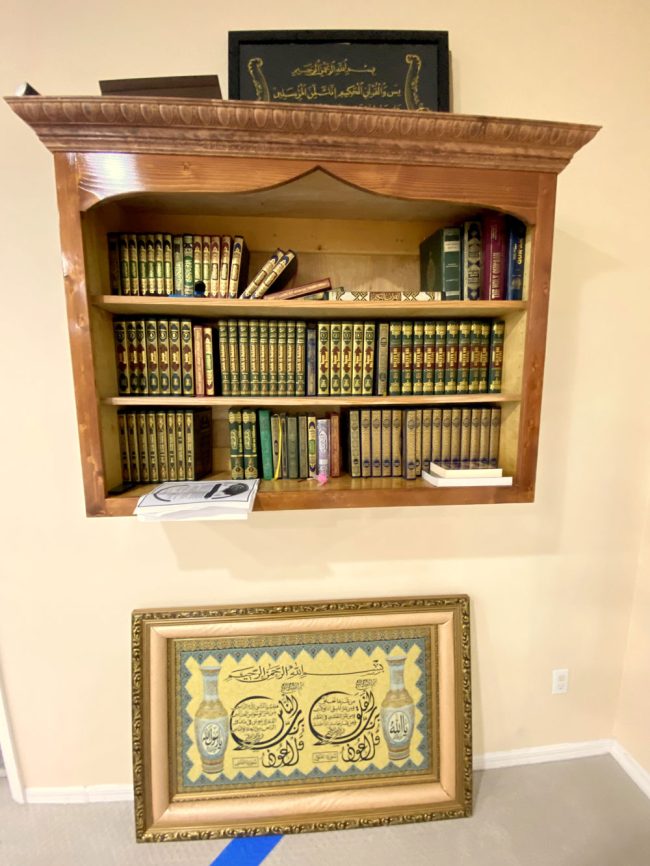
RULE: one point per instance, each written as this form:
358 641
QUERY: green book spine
266 443
151 263
224 360
164 372
375 443
190 464
386 436
323 359
407 357
456 434
440 352
366 443
409 424
293 460
346 358
303 448
114 278
170 424
426 438
215 264
484 359
357 358
291 358
151 337
236 444
282 358
188 265
168 265
197 260
175 359
141 348
121 357
244 357
381 360
159 263
249 433
143 448
134 454
132 354
205 262
152 443
224 270
254 337
143 273
354 444
440 264
276 444
369 330
335 358
495 435
273 358
179 421
445 438
133 265
161 442
312 445
125 459
429 357
451 357
312 359
495 365
395 359
474 358
125 267
301 360
465 436
187 359
208 354
436 435
475 440
484 438
464 350
284 450
396 443
233 357
177 260
418 357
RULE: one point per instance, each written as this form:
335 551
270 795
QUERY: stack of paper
442 475
198 500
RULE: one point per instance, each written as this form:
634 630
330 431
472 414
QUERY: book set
288 357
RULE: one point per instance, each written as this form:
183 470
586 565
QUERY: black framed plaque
371 68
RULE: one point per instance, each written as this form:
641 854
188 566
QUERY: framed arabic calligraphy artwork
406 69
300 717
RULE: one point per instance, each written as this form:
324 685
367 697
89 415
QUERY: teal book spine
495 365
266 443
418 357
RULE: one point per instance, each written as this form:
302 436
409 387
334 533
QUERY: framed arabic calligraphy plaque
300 717
406 69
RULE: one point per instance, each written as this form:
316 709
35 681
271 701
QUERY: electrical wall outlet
560 682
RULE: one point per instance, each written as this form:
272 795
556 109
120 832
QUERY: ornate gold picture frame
300 717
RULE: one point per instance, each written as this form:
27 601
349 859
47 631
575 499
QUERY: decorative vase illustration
211 722
397 711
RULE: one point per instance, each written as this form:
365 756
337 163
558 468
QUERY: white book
482 472
503 481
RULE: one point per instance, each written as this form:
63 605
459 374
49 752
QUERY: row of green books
369 443
162 445
160 263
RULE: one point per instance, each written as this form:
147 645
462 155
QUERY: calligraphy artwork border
274 641
424 80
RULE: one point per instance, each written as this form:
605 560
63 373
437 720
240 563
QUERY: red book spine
493 287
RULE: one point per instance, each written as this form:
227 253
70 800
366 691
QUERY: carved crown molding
254 129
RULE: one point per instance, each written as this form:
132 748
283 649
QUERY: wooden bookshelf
353 191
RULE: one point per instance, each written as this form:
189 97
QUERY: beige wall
551 583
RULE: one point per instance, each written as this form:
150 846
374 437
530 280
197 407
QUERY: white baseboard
542 754
487 761
80 794
632 767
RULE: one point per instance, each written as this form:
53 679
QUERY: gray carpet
573 813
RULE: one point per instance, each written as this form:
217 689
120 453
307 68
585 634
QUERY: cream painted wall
551 583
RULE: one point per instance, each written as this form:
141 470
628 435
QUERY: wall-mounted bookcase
354 192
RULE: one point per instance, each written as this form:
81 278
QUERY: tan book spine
301 359
152 443
233 357
164 372
168 265
456 434
177 258
464 352
284 263
368 357
187 358
375 443
335 444
190 465
396 443
354 444
357 358
445 440
208 352
475 345
366 443
475 440
291 359
179 418
215 265
436 435
224 271
427 417
205 262
299 291
323 359
263 272
161 444
386 437
381 360
418 442
170 424
197 263
236 257
273 358
141 350
151 339
451 357
409 423
335 358
264 357
484 438
465 436
175 358
188 267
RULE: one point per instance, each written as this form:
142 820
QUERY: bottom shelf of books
380 456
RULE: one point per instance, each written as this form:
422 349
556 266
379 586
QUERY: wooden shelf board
346 492
222 307
325 402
